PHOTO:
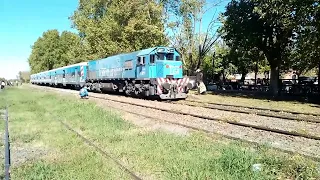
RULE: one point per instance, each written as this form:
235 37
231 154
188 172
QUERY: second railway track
288 141
219 120
313 117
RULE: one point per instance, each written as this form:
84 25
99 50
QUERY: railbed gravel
303 117
300 145
275 123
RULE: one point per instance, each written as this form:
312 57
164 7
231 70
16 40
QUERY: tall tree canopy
52 51
187 34
110 27
266 25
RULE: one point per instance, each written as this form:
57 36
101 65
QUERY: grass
154 155
283 105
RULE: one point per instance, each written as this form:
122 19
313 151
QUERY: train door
76 76
141 71
82 75
64 78
55 78
152 66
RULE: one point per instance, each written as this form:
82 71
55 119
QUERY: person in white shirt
2 84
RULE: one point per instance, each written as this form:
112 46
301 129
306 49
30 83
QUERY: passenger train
153 72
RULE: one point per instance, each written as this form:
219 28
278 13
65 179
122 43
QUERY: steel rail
257 113
104 153
257 108
7 161
195 128
221 120
211 132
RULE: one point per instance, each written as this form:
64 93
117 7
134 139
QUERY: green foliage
194 44
105 28
267 26
71 47
53 51
110 27
306 54
24 76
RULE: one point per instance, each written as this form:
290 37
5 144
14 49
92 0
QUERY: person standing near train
3 84
199 78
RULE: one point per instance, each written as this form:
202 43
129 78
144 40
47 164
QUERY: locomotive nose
166 85
190 86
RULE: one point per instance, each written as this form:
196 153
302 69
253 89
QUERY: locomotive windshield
160 56
164 56
170 56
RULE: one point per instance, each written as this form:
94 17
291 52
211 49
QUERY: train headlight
166 85
189 85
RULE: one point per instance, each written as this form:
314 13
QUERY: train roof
72 65
138 53
64 67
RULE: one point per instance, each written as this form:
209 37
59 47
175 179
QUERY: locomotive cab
166 67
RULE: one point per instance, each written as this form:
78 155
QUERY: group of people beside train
3 84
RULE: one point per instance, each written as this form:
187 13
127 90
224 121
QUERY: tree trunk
199 58
318 77
243 76
274 80
255 75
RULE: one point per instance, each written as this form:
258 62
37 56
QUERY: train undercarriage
140 88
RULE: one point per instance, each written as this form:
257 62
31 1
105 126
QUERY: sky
23 21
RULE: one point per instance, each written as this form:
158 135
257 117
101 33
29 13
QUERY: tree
53 51
24 76
244 60
110 27
186 19
71 49
46 52
265 25
307 50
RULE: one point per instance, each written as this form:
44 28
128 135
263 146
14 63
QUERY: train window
141 60
170 56
160 56
152 58
64 74
128 65
177 58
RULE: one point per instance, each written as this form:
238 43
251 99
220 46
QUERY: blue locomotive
153 72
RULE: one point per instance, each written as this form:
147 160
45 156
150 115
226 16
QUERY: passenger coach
69 76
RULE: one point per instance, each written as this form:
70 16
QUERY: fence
7 161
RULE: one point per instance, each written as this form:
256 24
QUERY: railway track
263 128
219 120
102 152
196 128
313 117
281 133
